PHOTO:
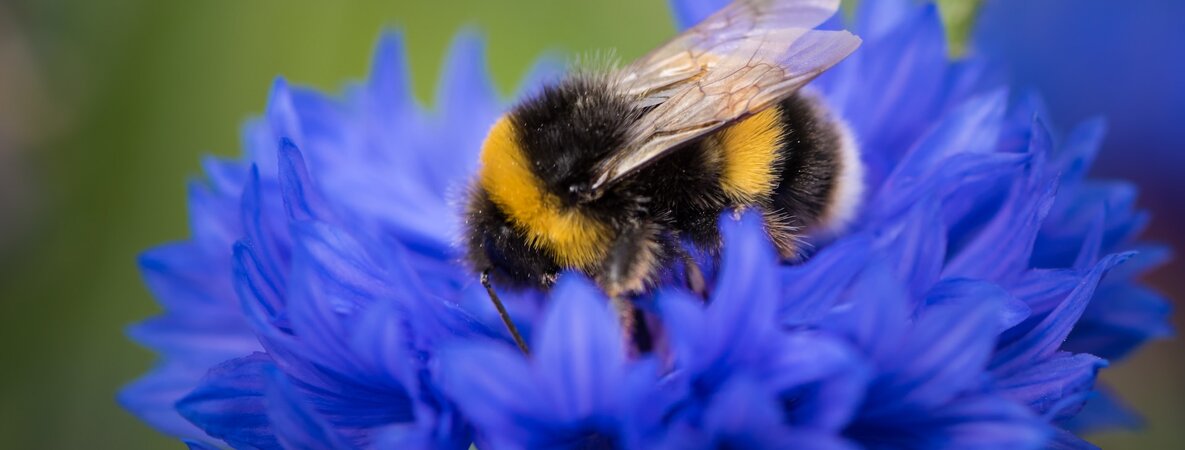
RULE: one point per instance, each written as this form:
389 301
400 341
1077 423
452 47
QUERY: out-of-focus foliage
959 15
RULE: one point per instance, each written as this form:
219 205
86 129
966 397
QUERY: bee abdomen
750 152
821 176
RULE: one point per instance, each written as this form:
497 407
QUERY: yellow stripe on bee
573 238
750 150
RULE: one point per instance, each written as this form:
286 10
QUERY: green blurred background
106 107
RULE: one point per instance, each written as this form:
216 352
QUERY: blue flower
736 351
320 302
579 390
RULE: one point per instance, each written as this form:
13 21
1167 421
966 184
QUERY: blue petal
969 76
976 422
1026 106
465 83
960 290
1073 238
875 19
153 397
322 122
972 128
967 183
691 12
379 341
263 305
1079 150
905 73
389 82
198 445
989 423
1092 244
1005 245
1124 220
212 218
260 295
874 314
184 281
743 414
469 105
580 349
295 424
334 279
918 243
451 432
747 279
824 379
1044 386
265 239
1146 258
943 354
301 199
741 315
806 439
282 114
356 408
281 120
337 286
411 435
744 410
685 323
230 404
1119 319
811 289
1044 339
1042 290
197 337
224 176
495 388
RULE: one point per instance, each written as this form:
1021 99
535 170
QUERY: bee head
533 188
494 243
568 129
521 225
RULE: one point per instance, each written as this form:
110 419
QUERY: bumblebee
613 173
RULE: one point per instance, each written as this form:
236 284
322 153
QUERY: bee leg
631 263
518 338
786 233
636 334
631 320
694 274
625 313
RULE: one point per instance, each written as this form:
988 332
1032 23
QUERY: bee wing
682 58
741 60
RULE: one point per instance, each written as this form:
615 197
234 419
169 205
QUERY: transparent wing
745 58
688 54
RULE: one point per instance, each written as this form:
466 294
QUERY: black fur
810 163
570 127
495 244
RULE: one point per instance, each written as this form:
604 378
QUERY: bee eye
582 193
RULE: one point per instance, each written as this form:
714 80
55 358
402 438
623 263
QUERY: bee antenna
518 338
